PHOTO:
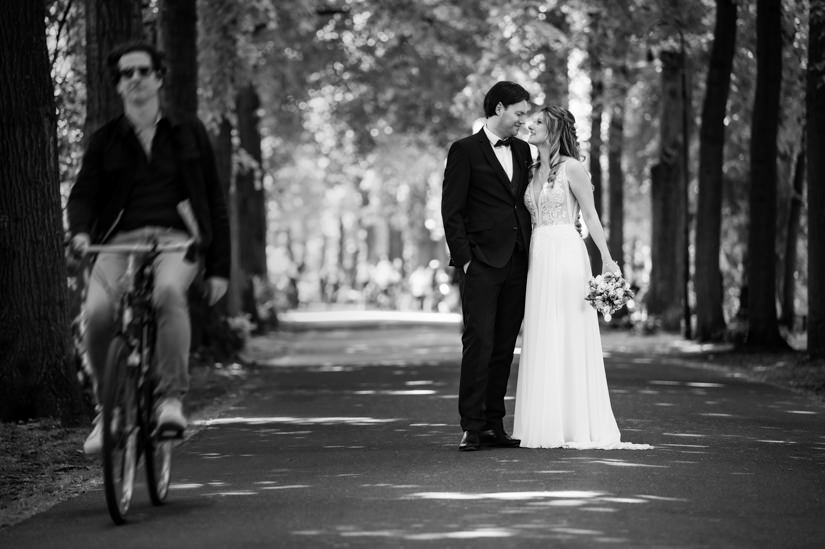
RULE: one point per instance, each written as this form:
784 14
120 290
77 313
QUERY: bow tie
503 142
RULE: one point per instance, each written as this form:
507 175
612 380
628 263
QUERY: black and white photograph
412 273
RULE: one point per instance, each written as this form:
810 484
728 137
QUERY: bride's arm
583 191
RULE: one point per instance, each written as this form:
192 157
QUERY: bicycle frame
128 388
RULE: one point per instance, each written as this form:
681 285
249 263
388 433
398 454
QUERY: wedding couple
503 211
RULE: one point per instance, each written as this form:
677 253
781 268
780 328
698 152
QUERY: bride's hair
561 135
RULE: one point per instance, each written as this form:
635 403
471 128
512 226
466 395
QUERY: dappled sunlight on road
361 421
388 392
507 496
475 533
399 387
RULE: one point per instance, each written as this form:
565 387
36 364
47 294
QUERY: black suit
485 222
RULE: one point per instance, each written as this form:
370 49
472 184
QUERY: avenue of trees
702 122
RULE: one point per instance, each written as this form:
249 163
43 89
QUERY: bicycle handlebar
139 248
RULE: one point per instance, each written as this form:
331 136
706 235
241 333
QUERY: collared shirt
504 154
157 185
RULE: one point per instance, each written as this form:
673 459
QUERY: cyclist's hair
119 51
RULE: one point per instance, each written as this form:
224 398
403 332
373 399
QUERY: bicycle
128 391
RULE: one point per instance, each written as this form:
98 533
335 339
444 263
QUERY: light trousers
173 275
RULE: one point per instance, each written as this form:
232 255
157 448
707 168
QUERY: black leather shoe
499 439
469 441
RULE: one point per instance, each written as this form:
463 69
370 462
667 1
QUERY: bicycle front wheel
157 451
120 430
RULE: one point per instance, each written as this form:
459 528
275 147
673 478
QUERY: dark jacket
103 186
482 216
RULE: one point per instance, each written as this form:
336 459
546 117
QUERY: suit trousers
173 275
492 300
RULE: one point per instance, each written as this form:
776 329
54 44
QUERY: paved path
349 440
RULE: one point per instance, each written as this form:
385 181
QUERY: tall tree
620 84
178 21
554 80
36 379
763 325
595 47
251 195
710 321
816 179
665 298
796 199
108 23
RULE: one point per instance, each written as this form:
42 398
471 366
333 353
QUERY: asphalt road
350 440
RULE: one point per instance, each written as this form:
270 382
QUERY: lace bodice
552 204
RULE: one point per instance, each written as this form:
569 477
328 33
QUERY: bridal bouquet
608 293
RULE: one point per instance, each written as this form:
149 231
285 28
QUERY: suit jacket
482 216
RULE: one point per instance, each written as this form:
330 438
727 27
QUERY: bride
561 395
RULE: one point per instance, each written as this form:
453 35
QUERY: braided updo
562 137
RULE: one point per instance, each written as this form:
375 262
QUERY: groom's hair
506 93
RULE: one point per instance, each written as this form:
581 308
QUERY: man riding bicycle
137 172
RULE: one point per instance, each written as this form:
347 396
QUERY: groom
488 234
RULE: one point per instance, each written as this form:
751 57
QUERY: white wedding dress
562 399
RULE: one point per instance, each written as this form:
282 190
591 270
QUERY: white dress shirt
504 154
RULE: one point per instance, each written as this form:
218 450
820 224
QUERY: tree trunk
816 179
710 321
226 174
615 175
108 24
553 82
36 377
763 326
178 40
791 240
251 197
597 109
615 151
665 294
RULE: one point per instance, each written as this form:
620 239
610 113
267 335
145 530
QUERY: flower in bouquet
607 293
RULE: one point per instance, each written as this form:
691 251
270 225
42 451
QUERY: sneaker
94 442
171 421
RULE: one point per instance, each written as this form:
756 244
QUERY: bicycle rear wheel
157 452
120 430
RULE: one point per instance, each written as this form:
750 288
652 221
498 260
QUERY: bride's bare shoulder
575 165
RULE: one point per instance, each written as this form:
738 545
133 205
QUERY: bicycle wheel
120 430
157 452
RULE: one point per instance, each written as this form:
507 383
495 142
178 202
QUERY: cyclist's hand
215 289
80 244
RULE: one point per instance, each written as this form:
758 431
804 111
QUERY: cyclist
136 171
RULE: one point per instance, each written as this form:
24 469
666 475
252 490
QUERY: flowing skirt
562 400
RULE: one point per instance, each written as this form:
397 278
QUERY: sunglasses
129 72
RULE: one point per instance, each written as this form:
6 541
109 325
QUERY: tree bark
594 48
251 195
36 377
222 143
554 82
710 320
108 24
791 241
816 179
251 198
178 40
615 150
665 296
763 326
